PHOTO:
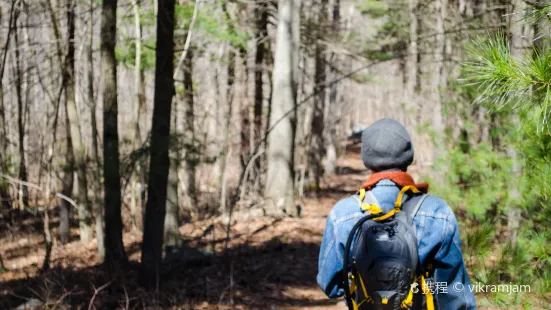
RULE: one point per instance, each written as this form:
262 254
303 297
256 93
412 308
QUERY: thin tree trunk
245 114
412 62
85 219
23 190
47 235
172 219
4 158
261 35
160 142
66 186
97 198
317 142
439 76
225 142
244 109
114 248
514 210
190 154
68 177
333 114
140 112
279 192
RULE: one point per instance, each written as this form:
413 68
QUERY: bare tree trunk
172 219
67 181
333 109
66 186
317 149
23 190
190 154
140 113
85 219
412 62
514 210
279 192
261 35
439 74
114 248
4 158
47 236
160 142
225 142
245 114
97 200
244 108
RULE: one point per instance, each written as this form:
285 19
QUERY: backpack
385 263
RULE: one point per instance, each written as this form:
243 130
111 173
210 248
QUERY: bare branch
96 291
188 39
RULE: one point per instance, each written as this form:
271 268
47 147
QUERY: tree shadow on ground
246 276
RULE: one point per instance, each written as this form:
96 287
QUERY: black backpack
385 264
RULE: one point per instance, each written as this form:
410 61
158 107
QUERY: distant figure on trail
401 246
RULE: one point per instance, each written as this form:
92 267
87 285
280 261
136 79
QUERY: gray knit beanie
386 145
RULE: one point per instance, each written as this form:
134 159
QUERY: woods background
256 104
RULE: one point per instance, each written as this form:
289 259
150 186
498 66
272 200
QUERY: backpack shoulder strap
412 205
367 197
371 199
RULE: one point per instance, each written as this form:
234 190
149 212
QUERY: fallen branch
96 291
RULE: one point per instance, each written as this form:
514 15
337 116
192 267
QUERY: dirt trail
270 264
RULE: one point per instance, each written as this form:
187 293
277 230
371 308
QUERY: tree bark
439 77
4 158
261 35
413 55
225 142
140 112
115 255
279 193
100 236
190 154
317 148
513 209
333 108
160 141
23 190
85 219
67 181
172 219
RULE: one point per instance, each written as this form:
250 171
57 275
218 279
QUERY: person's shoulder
434 206
345 207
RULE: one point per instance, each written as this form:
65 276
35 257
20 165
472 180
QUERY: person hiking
408 253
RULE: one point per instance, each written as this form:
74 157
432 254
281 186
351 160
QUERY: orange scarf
400 178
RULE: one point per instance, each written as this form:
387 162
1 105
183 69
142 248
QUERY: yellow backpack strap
384 217
352 284
362 195
368 202
428 294
398 202
406 303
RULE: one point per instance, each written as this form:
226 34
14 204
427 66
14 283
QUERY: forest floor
269 264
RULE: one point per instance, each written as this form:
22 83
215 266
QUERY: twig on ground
96 291
126 296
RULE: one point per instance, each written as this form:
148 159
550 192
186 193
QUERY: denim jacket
437 236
